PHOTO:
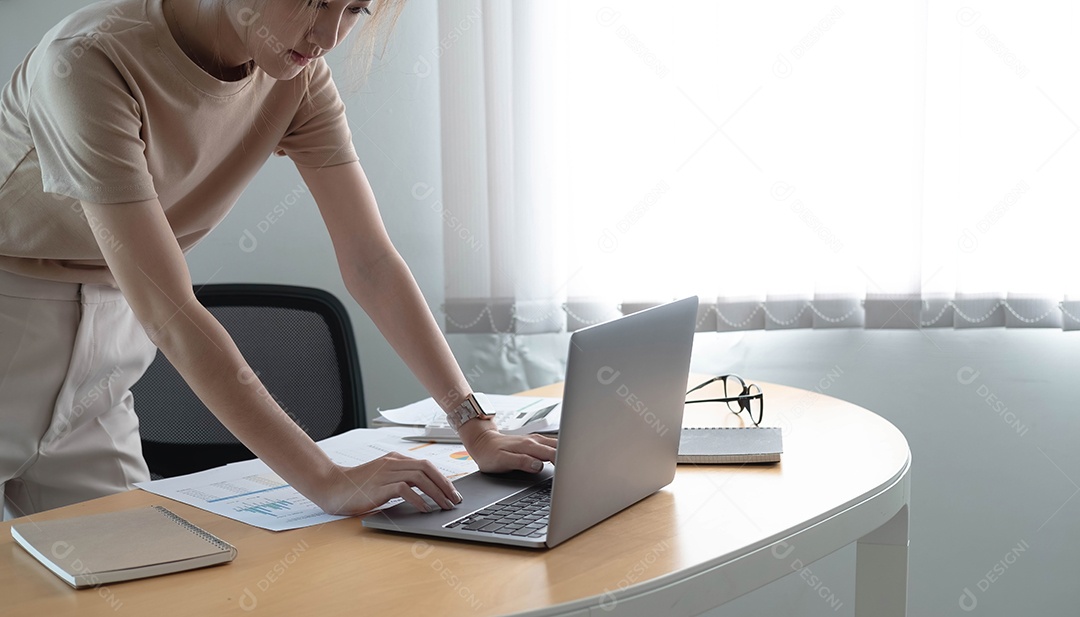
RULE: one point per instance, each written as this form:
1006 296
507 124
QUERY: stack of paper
427 413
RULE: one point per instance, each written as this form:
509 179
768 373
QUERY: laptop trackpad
477 490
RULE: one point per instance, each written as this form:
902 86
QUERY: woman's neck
207 37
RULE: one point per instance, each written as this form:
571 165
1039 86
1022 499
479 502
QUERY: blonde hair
374 35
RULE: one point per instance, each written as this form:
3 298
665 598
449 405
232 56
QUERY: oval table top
837 458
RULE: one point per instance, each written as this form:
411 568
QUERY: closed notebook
92 550
730 445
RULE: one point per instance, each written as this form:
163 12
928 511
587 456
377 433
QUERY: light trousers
69 354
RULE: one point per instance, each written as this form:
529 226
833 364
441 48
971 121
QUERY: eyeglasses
738 395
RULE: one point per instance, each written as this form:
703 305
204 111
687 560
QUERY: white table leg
881 569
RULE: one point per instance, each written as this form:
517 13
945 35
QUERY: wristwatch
471 407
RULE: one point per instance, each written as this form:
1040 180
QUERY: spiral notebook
92 550
730 445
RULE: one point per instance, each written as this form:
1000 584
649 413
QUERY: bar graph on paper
265 506
258 497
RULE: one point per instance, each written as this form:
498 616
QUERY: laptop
622 413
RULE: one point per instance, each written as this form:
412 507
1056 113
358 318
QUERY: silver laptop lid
622 414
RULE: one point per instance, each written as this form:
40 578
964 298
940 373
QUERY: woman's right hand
360 489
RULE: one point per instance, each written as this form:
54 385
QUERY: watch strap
471 407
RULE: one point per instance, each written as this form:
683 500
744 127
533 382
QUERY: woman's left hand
495 452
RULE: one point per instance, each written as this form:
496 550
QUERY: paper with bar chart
251 493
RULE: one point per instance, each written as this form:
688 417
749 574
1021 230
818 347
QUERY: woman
125 137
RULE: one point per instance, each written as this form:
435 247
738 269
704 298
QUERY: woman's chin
281 71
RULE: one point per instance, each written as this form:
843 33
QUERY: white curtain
795 164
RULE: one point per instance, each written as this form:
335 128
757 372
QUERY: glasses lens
756 404
733 386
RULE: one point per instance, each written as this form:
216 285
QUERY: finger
397 468
436 485
533 449
403 490
525 462
427 485
446 487
547 440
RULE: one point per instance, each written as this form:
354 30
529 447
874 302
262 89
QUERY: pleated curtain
795 164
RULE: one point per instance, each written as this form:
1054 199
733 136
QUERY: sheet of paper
422 412
249 492
362 445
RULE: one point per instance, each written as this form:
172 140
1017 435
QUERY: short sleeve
319 135
86 126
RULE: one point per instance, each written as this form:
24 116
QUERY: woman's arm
380 281
149 267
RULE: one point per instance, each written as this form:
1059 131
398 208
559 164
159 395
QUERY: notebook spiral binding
202 533
725 428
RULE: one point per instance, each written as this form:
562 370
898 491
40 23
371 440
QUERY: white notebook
730 445
92 550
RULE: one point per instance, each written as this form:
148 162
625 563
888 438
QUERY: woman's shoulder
96 40
107 17
99 31
315 83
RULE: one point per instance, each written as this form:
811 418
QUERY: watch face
478 407
482 404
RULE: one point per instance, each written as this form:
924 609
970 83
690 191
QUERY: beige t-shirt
107 108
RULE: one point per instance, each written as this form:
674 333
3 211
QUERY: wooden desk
715 533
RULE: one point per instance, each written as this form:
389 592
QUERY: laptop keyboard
522 516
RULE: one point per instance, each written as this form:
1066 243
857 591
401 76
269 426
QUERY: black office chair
298 340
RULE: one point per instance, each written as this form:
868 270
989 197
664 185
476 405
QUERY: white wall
994 466
979 486
23 22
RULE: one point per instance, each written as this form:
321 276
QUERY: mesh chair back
297 340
